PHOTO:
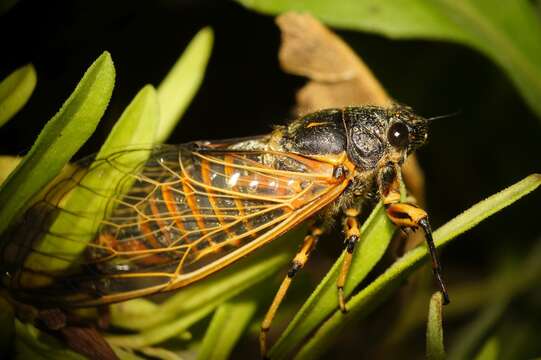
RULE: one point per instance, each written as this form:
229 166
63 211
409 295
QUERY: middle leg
352 232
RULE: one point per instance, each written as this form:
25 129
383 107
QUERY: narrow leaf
7 165
490 350
59 139
182 82
137 125
377 291
159 353
434 330
123 313
227 326
125 354
376 234
472 337
31 343
507 31
15 90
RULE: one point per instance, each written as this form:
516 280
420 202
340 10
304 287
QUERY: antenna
444 116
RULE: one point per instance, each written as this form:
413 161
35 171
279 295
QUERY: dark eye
398 135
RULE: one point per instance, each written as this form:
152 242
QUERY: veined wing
189 212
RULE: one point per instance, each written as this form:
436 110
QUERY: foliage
231 297
59 140
15 90
66 132
508 31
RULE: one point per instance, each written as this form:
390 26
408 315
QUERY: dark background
492 143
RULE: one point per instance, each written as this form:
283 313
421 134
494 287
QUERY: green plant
508 31
234 292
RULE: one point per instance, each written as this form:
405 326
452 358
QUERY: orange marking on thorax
315 123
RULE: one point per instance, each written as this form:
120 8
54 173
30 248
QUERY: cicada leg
298 262
353 233
407 215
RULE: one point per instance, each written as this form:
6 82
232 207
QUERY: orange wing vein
189 212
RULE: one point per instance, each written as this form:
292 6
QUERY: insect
178 213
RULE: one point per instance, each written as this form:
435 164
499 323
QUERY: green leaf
434 330
507 31
125 354
228 324
15 90
376 234
159 353
59 140
182 82
471 338
192 304
472 296
377 291
7 165
31 343
123 313
490 350
137 125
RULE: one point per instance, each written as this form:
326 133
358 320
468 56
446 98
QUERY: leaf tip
207 33
30 71
105 60
148 89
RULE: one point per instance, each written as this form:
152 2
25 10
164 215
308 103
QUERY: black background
492 143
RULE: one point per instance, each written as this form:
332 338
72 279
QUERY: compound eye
398 135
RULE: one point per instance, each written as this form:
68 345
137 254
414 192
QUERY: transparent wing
181 214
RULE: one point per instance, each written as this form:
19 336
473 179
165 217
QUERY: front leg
406 215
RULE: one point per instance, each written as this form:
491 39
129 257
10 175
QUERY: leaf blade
434 330
228 324
59 139
377 291
183 309
137 124
180 85
509 32
379 230
15 91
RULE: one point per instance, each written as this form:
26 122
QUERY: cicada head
377 134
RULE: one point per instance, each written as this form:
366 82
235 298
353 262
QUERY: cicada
171 215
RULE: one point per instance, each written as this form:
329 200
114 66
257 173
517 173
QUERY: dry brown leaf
338 77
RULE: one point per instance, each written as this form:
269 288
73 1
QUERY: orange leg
407 215
298 262
352 232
